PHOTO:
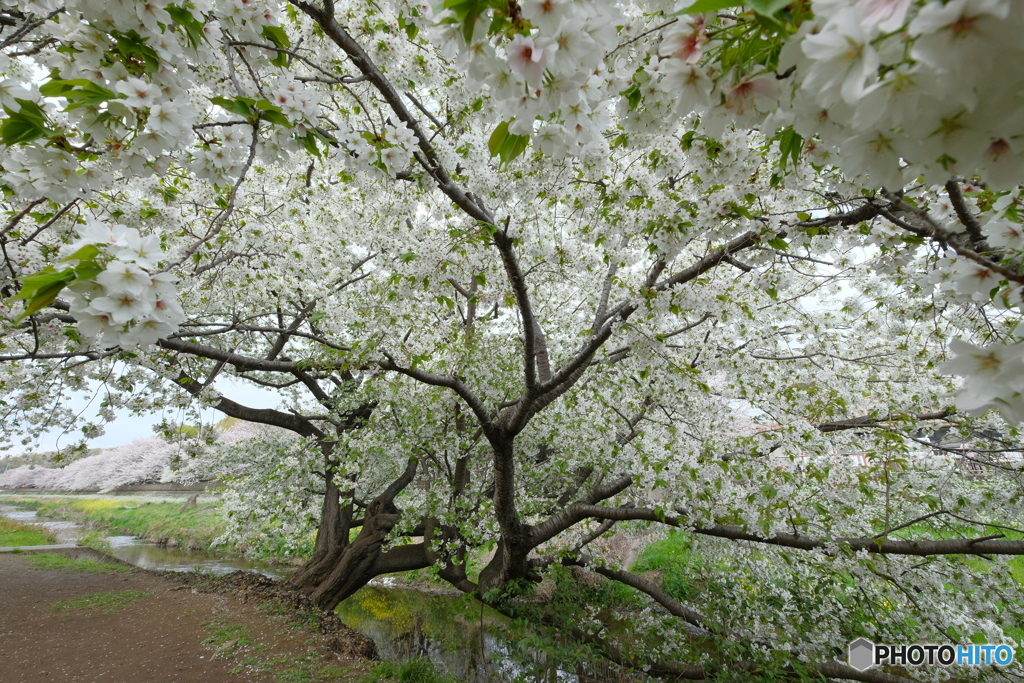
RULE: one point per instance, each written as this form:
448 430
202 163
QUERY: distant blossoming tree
141 461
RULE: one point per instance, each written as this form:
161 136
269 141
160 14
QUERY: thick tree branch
267 416
575 513
869 420
243 362
530 326
967 218
324 17
674 607
453 383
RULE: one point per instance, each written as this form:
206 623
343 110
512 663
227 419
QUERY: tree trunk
331 538
339 568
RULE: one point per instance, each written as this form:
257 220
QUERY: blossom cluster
993 378
888 88
125 93
904 88
128 303
551 79
391 152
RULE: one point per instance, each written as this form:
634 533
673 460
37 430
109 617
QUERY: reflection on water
464 639
148 555
458 636
153 556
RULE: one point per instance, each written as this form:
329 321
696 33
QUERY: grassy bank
16 534
195 529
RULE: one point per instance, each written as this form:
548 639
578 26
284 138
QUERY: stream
462 638
146 554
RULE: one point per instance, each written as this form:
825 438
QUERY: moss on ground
108 602
70 566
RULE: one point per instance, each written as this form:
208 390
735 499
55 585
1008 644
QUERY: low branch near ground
983 545
673 670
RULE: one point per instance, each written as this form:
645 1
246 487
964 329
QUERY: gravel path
156 638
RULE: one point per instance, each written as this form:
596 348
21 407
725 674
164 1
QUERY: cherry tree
525 274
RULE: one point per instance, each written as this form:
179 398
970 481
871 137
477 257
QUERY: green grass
292 669
420 670
105 602
225 638
14 533
196 528
68 565
309 668
272 608
305 619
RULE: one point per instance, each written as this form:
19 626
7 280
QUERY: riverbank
13 534
174 524
69 620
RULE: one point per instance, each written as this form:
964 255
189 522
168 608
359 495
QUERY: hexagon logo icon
861 654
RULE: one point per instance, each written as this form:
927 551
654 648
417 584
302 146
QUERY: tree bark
339 568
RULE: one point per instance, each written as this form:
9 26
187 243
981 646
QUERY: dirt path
155 637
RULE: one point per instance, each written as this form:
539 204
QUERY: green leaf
43 298
505 145
633 95
778 243
767 7
707 6
24 125
40 289
790 146
279 37
497 138
467 12
87 253
30 111
240 105
87 270
193 27
55 88
88 94
309 142
277 118
44 278
15 131
134 49
410 28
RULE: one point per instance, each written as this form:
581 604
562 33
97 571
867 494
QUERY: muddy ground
189 628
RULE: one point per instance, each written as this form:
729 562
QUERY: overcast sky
127 428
